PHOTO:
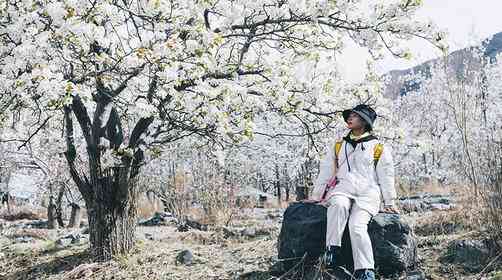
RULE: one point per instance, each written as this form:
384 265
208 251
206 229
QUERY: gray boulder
71 239
412 205
416 275
394 244
426 202
184 257
63 242
85 230
249 232
24 239
441 207
37 224
160 219
149 236
472 255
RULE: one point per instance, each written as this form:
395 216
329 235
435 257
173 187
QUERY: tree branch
82 116
71 154
34 133
190 83
140 128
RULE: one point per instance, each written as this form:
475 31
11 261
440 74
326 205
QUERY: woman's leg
337 216
362 252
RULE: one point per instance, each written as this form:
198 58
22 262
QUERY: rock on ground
472 255
394 244
304 227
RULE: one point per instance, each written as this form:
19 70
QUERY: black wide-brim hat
364 111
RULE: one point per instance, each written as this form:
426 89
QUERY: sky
466 21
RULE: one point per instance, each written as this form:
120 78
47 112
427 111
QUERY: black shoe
364 274
330 257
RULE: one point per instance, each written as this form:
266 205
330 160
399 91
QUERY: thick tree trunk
76 216
112 229
110 193
112 217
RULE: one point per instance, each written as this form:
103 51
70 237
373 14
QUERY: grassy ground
216 256
152 260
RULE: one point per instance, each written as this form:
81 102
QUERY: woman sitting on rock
354 175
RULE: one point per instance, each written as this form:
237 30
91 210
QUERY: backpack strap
377 153
338 147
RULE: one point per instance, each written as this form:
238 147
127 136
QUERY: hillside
399 81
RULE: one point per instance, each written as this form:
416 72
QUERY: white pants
341 209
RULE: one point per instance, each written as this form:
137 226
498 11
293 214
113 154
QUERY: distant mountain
494 46
399 82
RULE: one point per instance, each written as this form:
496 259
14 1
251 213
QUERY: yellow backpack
377 153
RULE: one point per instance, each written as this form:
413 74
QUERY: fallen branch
302 260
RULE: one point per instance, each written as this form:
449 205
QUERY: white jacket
364 183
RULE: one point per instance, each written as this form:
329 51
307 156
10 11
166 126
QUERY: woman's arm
325 173
385 175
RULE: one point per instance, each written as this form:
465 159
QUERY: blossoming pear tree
129 76
453 142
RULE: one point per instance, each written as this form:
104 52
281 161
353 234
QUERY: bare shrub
148 205
493 195
200 194
218 201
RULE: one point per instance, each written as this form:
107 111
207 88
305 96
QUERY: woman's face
355 121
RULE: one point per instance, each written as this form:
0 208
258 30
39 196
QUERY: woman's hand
390 210
324 203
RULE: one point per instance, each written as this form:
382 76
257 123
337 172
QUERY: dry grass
432 250
22 213
214 257
29 232
217 256
447 222
148 206
492 197
435 230
466 216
